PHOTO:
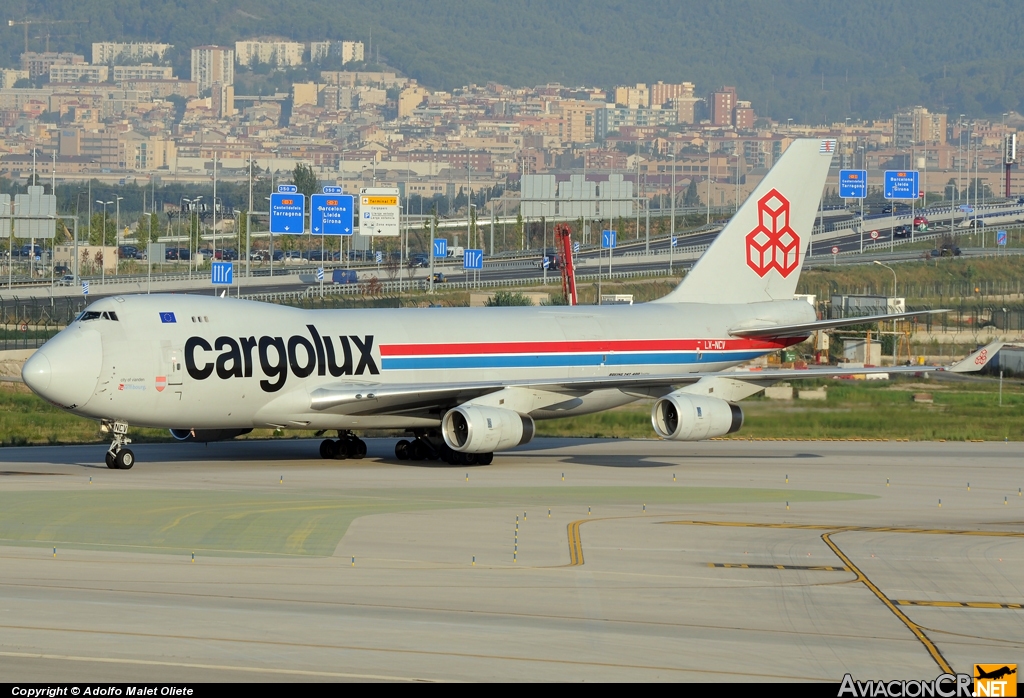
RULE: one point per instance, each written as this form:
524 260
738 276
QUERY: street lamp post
103 241
894 303
117 227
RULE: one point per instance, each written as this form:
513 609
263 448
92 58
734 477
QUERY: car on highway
901 231
947 249
440 278
66 280
920 223
61 270
419 259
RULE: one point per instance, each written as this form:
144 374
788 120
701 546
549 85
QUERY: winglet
978 360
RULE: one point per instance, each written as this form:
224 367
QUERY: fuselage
188 361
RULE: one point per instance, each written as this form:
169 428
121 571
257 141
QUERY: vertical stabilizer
759 253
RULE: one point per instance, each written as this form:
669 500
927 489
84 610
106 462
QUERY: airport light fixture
895 310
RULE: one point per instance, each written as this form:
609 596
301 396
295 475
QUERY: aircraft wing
806 328
377 399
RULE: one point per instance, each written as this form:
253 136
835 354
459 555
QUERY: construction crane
27 22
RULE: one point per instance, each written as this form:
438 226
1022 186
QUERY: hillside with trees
810 60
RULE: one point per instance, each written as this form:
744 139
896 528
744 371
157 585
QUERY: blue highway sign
379 256
221 273
333 190
576 247
85 288
675 241
287 188
546 262
1000 237
473 259
320 274
901 184
607 238
286 213
440 247
853 184
331 214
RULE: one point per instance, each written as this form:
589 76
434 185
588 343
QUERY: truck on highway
344 276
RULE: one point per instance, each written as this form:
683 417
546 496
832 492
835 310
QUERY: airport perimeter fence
26 323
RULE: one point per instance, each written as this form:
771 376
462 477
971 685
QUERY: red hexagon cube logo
773 244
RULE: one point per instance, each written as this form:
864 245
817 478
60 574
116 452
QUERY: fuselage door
173 359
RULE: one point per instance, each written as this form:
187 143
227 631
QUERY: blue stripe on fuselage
563 360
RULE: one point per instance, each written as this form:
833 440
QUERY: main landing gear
118 456
431 447
347 446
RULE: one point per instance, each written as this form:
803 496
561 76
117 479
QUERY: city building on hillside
612 118
351 52
743 115
112 51
146 71
79 72
38 63
638 96
280 54
721 104
918 126
664 93
212 64
9 77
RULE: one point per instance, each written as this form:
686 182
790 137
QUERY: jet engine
681 416
207 435
479 429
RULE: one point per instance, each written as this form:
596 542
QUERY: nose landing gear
119 457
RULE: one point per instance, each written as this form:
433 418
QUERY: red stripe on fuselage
587 346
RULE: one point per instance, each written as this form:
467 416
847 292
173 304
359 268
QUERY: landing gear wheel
357 449
417 450
450 456
402 450
467 459
328 449
111 460
125 459
340 450
484 458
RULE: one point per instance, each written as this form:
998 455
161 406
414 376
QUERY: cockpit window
96 315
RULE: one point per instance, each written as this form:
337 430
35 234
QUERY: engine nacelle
207 435
479 429
684 417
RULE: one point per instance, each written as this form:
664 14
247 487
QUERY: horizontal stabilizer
804 329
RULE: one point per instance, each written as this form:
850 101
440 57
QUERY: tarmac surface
659 561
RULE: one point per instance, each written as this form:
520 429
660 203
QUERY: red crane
563 233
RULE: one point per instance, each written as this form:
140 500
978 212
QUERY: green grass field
854 409
962 410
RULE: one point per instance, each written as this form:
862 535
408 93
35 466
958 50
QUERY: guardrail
392 287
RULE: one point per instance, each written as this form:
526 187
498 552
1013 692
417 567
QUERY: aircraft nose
66 369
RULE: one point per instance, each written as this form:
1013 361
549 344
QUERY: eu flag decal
167 317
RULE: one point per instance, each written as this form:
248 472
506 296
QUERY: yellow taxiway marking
892 605
576 543
960 604
911 625
747 566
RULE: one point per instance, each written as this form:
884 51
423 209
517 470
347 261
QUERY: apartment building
79 72
112 51
918 126
280 54
633 97
721 104
38 63
146 71
664 93
212 64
